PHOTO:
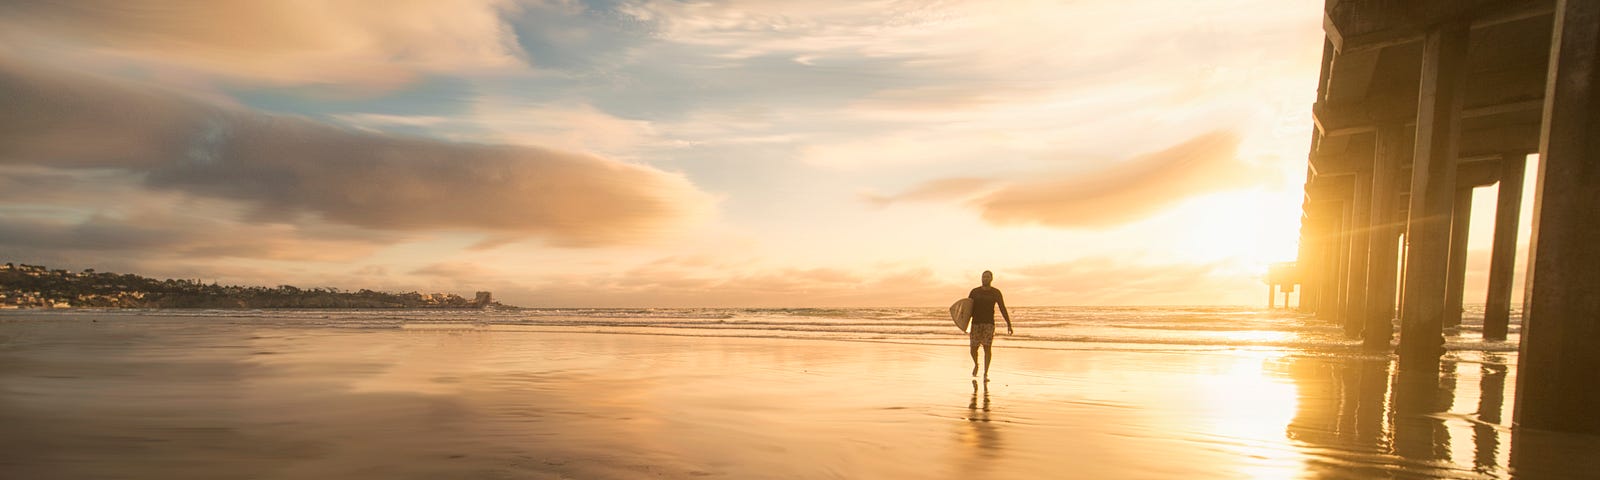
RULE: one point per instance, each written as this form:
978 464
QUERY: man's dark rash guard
983 301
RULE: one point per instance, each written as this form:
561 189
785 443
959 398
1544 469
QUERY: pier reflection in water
1491 401
1362 416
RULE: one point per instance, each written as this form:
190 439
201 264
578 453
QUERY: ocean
1099 327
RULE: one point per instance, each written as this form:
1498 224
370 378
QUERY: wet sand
151 397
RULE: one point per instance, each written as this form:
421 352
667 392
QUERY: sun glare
1244 229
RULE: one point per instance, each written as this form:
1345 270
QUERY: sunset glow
662 153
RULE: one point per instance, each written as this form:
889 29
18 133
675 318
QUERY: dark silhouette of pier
1417 103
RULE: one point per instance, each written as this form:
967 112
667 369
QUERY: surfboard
961 313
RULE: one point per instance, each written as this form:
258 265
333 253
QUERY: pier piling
1558 384
1433 188
1502 258
1455 284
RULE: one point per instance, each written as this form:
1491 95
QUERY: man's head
988 276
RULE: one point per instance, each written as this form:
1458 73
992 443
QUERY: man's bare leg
988 354
974 360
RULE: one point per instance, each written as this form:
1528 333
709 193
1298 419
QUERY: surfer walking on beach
984 299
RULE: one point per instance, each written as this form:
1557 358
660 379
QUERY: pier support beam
1455 286
1444 65
1503 257
1405 249
1341 259
1355 302
1338 256
1328 260
1308 263
1313 264
1383 250
1557 384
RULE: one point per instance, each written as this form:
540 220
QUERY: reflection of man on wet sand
981 333
973 405
981 434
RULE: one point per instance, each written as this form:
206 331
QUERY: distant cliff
35 286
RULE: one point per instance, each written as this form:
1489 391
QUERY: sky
663 153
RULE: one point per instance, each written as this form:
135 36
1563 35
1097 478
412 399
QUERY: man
981 333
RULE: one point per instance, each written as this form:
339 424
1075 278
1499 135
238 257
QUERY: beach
96 395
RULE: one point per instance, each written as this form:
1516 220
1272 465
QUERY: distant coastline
37 286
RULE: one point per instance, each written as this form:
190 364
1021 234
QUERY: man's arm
1001 300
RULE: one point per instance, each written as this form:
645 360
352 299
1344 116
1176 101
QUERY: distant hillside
36 286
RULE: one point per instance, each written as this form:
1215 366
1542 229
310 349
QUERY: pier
1418 103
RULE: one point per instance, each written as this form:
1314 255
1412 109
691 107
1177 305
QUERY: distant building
483 299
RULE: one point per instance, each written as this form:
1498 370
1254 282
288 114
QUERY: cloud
286 167
351 42
576 127
171 236
932 85
1124 192
939 189
56 213
1030 39
578 37
451 270
1127 191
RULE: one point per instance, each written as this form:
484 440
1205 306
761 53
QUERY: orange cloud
349 42
1122 193
1128 191
943 188
282 168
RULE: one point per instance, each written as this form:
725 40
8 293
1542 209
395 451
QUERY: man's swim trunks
981 334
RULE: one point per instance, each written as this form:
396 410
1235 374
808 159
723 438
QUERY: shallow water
787 394
1198 327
